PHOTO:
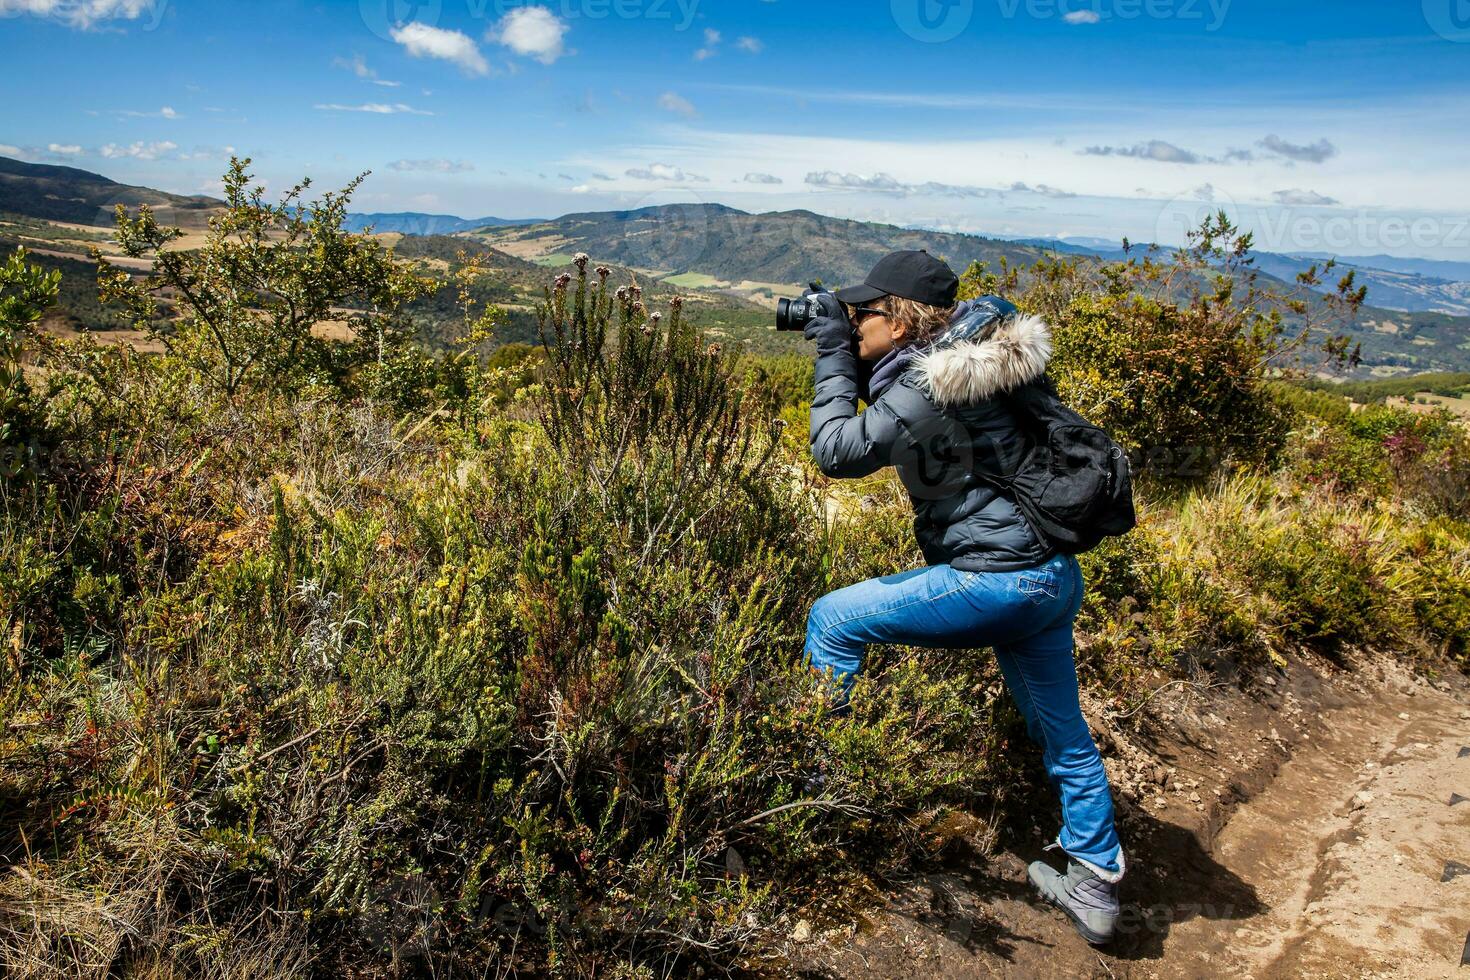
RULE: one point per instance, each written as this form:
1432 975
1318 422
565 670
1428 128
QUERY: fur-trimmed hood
989 348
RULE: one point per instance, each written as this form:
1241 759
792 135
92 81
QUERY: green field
554 260
694 280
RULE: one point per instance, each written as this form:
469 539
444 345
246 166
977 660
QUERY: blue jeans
1027 617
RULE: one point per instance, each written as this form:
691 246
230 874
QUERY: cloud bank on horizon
1096 118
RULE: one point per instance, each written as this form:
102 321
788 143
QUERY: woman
934 374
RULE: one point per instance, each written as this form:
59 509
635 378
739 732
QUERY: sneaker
1090 902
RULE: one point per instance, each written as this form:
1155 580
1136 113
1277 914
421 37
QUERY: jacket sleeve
846 444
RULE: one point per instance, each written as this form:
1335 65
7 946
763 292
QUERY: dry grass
531 247
136 339
1459 406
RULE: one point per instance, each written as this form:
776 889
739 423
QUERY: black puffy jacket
938 423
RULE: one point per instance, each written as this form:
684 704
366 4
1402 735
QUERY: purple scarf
890 368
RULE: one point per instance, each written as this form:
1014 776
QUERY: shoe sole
1093 938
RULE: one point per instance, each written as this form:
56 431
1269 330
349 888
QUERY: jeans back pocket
1040 585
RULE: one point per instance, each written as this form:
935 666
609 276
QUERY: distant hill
734 245
1407 285
1393 289
1428 268
38 190
414 223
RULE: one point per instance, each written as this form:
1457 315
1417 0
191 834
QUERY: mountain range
51 193
1408 284
732 245
1417 323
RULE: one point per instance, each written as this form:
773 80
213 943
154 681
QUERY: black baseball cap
913 275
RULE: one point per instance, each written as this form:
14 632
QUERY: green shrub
1181 387
25 293
1441 552
1387 451
252 299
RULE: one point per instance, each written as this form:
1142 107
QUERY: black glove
831 330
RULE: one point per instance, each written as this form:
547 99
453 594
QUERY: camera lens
794 314
783 314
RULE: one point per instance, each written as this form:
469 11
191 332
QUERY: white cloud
1083 17
67 150
139 150
673 102
6 150
358 65
167 112
83 13
1157 150
1318 152
433 166
208 153
533 32
423 41
877 182
663 171
711 45
1045 190
758 178
883 183
1303 198
750 45
377 108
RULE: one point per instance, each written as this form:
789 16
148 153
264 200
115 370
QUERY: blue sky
1340 127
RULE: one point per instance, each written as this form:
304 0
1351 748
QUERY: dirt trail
1302 832
1345 850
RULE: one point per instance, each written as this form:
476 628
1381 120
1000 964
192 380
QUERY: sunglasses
861 313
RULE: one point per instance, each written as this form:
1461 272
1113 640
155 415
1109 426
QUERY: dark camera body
795 314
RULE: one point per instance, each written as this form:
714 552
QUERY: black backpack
1073 484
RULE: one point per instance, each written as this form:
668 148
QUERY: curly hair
921 322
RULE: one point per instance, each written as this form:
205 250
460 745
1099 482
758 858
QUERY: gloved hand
832 330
